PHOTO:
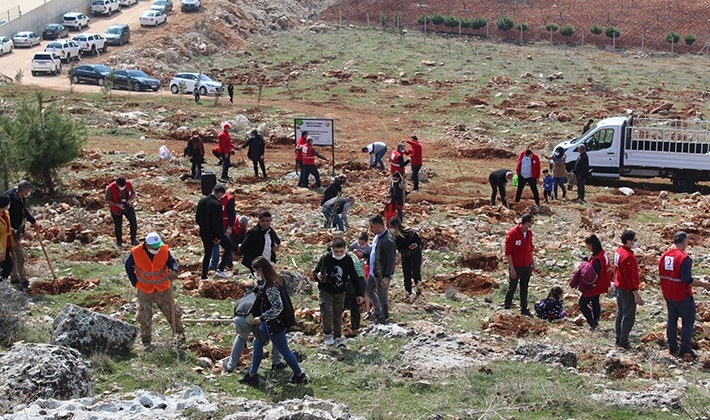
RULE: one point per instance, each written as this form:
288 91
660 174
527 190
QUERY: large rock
91 332
32 371
296 283
543 353
307 408
661 395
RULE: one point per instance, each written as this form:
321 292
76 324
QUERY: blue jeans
378 159
684 309
560 182
215 255
280 344
330 217
243 330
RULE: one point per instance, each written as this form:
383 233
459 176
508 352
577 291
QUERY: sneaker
526 313
221 274
279 366
298 379
674 352
328 339
249 379
340 343
25 286
225 368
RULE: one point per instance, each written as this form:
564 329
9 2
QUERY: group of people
13 219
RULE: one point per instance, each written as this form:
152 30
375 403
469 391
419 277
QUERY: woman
397 193
409 245
6 238
270 315
600 262
559 171
256 146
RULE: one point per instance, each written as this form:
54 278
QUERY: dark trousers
130 214
560 182
207 243
415 175
300 173
580 187
196 170
412 270
6 265
306 171
351 303
500 188
523 274
231 97
625 316
533 187
684 309
256 168
591 314
225 166
548 195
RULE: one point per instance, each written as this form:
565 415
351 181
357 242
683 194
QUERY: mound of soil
478 261
209 350
62 285
468 283
515 326
220 289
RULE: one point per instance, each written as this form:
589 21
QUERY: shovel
49 263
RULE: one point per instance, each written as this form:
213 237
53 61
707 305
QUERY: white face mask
121 188
339 257
635 244
153 250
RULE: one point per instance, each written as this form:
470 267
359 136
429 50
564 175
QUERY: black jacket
497 178
581 166
336 274
256 147
385 256
209 217
403 242
335 188
253 245
18 211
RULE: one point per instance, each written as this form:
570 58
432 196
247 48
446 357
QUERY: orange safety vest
669 271
152 275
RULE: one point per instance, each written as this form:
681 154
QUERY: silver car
25 39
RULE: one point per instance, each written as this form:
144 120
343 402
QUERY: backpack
584 278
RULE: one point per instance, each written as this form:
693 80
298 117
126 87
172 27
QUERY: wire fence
10 14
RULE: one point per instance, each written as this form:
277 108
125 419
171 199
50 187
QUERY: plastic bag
164 153
515 181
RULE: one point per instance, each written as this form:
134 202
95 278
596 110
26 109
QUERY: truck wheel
684 182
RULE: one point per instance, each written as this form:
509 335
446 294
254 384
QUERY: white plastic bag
164 153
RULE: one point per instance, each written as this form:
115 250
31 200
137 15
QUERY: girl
559 171
409 246
551 307
600 262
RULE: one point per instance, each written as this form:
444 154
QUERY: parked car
190 5
118 34
25 39
127 3
202 81
104 7
91 73
75 20
135 80
66 49
6 45
55 31
153 18
91 43
165 6
46 62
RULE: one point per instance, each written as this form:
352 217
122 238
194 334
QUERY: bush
465 23
566 30
478 23
690 39
423 19
451 21
12 306
551 27
522 26
672 37
612 32
505 23
437 19
595 29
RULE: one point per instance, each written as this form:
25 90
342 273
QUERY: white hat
243 220
153 240
309 138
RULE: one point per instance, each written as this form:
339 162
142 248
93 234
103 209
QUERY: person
415 151
209 218
239 231
519 256
498 179
381 263
196 152
120 195
626 283
587 126
675 271
377 150
6 238
360 253
300 142
230 92
260 240
151 269
409 245
559 171
18 215
547 182
309 164
581 171
551 308
528 170
225 149
334 189
361 247
196 93
397 162
229 217
335 211
255 153
600 262
271 316
334 271
398 194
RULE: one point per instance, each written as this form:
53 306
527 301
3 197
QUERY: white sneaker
328 339
221 274
340 343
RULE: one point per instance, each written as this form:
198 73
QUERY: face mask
635 244
121 188
153 250
339 257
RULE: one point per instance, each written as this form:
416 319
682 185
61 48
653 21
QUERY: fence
37 18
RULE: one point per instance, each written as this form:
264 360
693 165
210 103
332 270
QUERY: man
300 142
581 171
626 282
381 262
335 211
120 195
498 179
415 150
377 151
587 126
256 146
225 150
152 269
261 240
309 164
397 162
18 215
528 170
675 272
196 93
196 152
230 92
334 189
229 216
209 218
519 255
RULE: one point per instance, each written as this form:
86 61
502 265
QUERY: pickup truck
91 43
105 7
46 62
646 148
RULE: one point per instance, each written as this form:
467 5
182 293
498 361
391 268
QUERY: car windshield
159 2
54 45
205 78
102 69
137 73
113 31
22 35
51 27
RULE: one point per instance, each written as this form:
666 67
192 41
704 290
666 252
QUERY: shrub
437 19
451 21
672 37
612 32
595 29
478 23
566 30
12 306
551 27
690 39
423 19
522 26
465 23
505 23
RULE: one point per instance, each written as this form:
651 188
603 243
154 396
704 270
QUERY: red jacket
626 269
535 164
226 213
225 142
604 279
302 141
519 246
116 195
415 151
673 287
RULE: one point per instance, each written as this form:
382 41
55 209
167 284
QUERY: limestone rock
296 282
543 353
306 408
660 396
91 332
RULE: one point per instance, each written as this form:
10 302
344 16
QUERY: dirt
102 302
515 326
479 261
62 285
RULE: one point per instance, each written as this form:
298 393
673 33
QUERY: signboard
320 129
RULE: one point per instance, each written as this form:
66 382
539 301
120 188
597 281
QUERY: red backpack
584 278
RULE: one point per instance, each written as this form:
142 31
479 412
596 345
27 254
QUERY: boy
361 247
361 252
547 183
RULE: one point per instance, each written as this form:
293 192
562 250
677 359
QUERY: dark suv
118 34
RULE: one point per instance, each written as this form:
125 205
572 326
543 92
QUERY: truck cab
603 144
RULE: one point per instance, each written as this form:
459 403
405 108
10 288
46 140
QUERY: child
409 245
361 247
332 273
550 308
547 183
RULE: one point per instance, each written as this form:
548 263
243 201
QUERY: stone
661 395
626 191
32 371
663 195
296 282
91 332
306 408
544 353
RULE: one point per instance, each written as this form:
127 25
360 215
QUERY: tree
423 19
595 29
567 31
551 28
478 23
451 21
505 23
613 33
673 38
521 27
437 19
690 39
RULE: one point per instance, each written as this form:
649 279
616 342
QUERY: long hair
271 277
396 225
595 243
556 293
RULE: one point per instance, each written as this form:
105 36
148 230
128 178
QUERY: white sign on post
320 129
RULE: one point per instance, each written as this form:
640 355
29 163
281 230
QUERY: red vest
604 280
669 271
224 201
302 141
626 270
309 158
152 275
116 195
394 162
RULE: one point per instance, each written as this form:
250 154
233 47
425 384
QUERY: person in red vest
225 149
397 162
626 282
300 142
675 271
519 255
119 196
415 151
151 269
600 263
528 170
229 216
309 164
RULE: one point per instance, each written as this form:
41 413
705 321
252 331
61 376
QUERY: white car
204 84
25 39
153 18
127 3
75 21
6 45
46 63
65 49
91 43
105 7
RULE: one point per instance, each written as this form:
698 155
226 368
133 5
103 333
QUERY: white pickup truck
91 43
646 148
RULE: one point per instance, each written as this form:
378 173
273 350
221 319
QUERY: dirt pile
468 283
62 285
515 326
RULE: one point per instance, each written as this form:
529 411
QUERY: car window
103 69
137 73
205 78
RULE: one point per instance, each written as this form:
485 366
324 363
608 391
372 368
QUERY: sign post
322 131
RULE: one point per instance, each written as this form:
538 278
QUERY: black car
135 80
92 73
55 31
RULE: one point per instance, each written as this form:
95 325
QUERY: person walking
230 92
309 164
225 150
256 146
519 256
381 262
261 240
587 126
120 195
675 271
334 189
377 150
229 216
300 142
547 182
581 171
528 170
626 282
589 300
335 211
6 239
398 194
498 179
559 172
151 269
409 245
415 151
18 216
209 218
196 152
196 93
397 162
